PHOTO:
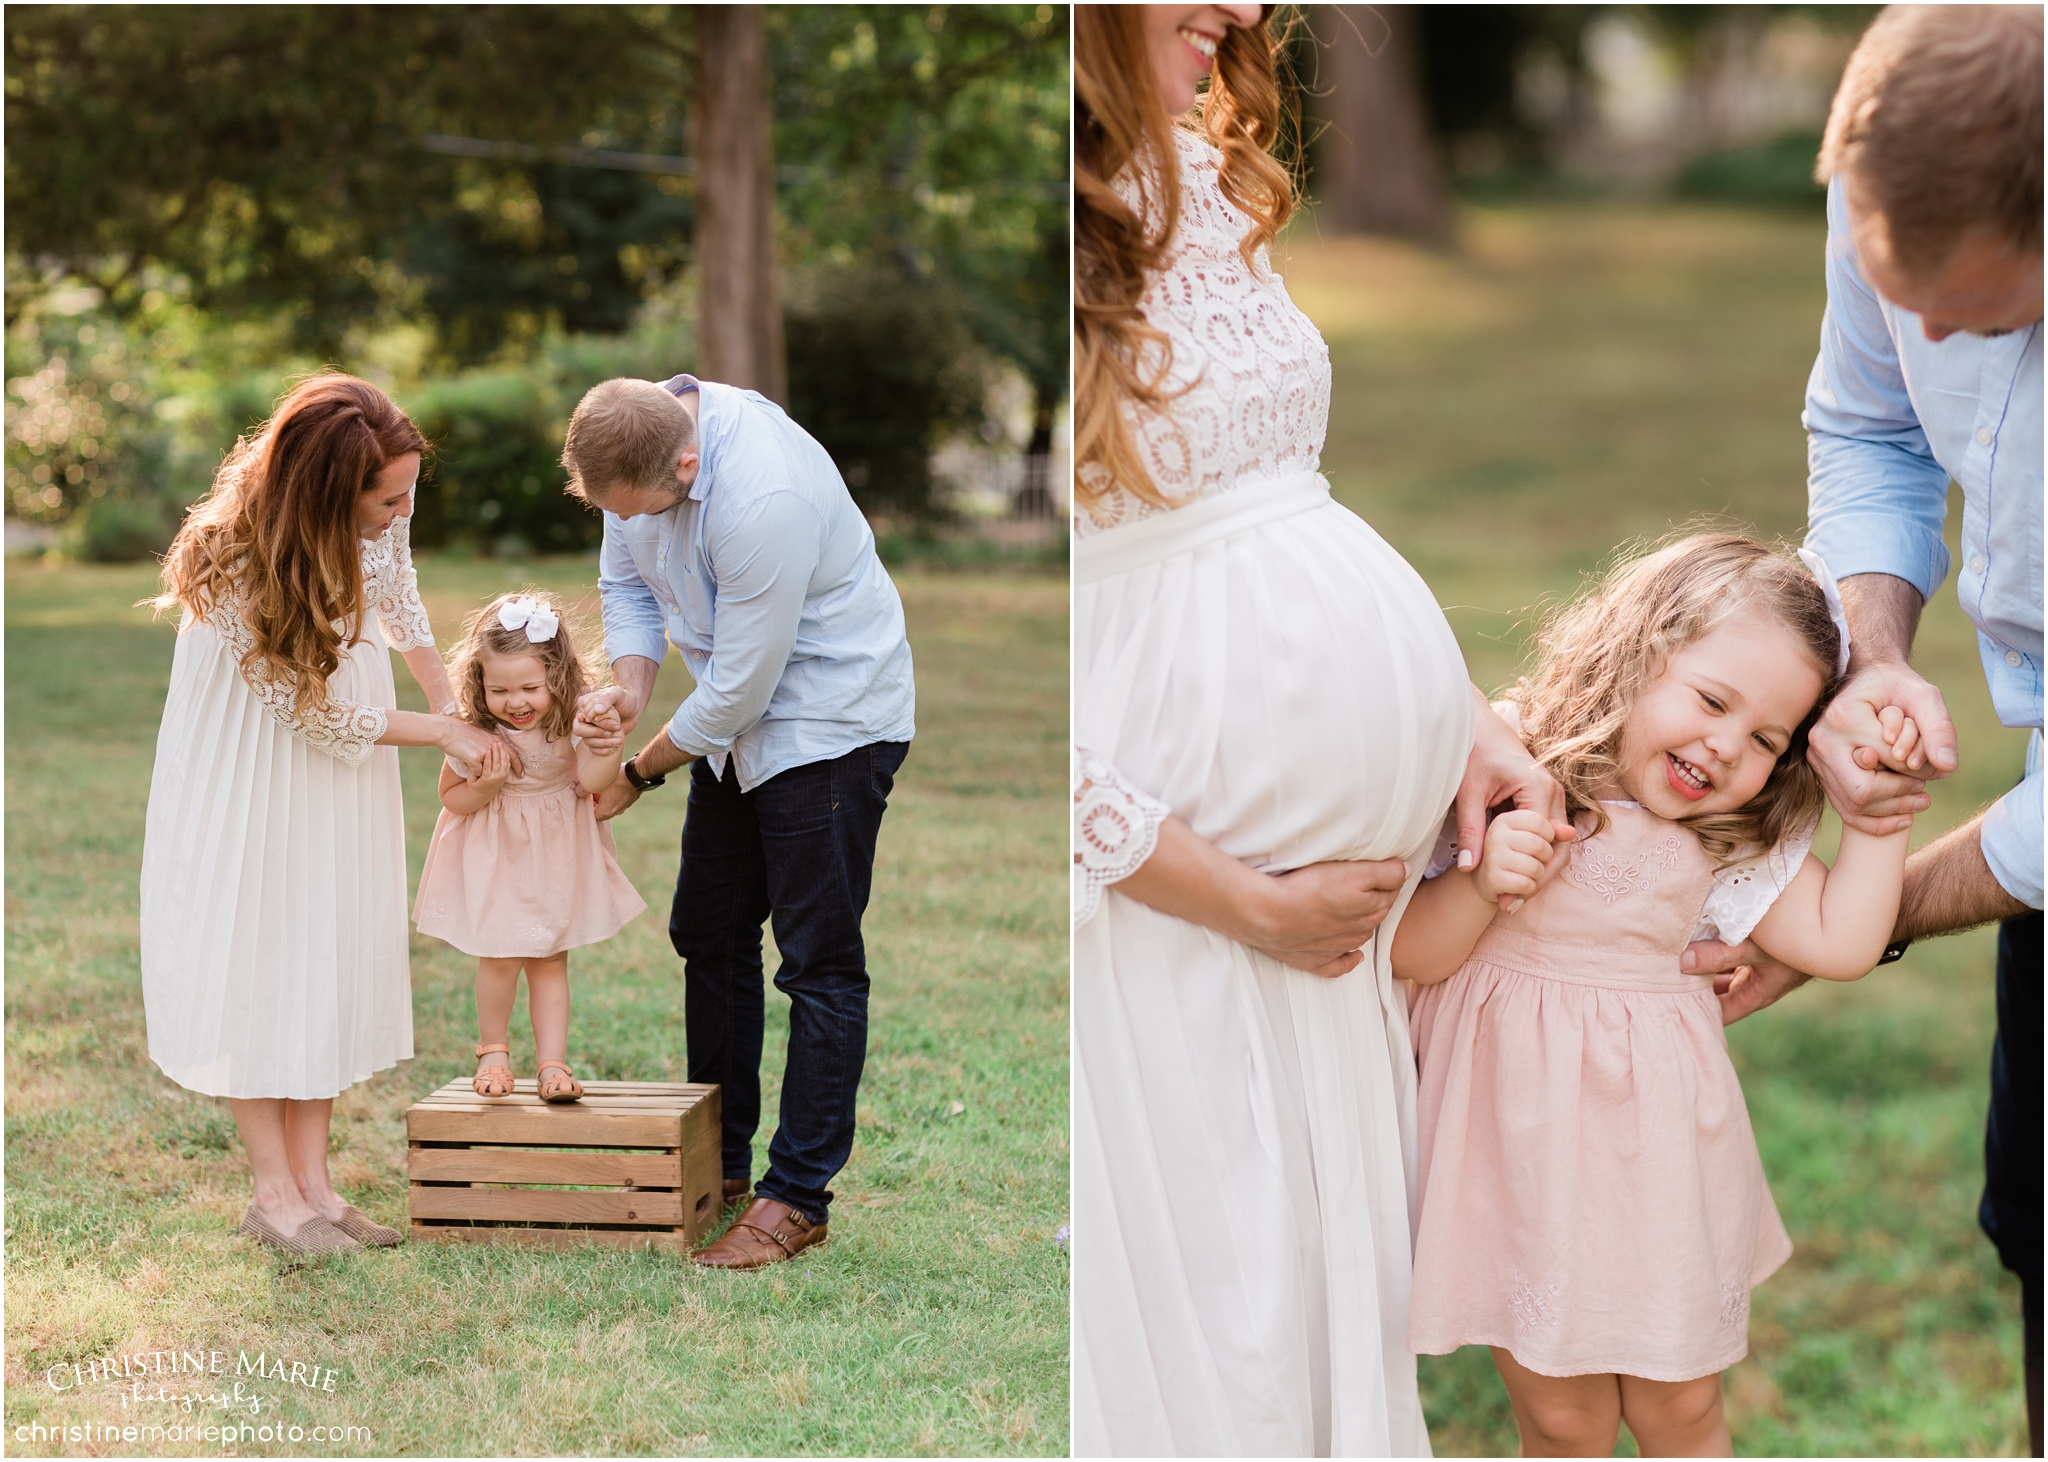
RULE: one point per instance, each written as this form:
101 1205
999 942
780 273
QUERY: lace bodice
1116 828
1252 372
545 766
342 729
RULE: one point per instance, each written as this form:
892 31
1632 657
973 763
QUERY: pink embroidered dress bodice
1619 914
1248 394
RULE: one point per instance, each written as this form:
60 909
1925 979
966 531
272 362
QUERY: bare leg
547 1001
306 1125
262 1124
497 986
1676 1418
1562 1416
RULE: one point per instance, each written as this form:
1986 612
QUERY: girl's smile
515 689
1707 732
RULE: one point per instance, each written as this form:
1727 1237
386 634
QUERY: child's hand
1903 737
1517 857
493 769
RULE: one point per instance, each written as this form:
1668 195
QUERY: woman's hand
470 745
1317 918
1499 770
493 770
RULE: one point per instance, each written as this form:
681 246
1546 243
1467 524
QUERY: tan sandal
493 1081
565 1088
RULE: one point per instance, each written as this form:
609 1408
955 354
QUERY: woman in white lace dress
274 965
1262 687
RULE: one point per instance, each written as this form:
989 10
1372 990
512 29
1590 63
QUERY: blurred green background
485 209
1575 375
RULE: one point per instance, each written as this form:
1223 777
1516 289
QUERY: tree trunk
1376 168
739 319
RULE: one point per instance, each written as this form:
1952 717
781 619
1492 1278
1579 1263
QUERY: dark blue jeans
2010 1211
799 849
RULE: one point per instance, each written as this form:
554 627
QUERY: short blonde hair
625 433
1938 119
1597 654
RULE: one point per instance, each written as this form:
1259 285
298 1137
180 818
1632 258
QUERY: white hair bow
539 621
1832 592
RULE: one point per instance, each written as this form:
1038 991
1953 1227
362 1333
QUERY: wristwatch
1894 951
639 783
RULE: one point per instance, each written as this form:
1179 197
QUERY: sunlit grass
1507 415
933 1322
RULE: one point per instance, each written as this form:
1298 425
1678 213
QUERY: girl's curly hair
1121 129
569 672
1598 653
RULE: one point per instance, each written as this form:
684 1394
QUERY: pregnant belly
1293 692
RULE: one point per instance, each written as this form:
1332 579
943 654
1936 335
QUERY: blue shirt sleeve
762 562
633 623
2011 834
1875 496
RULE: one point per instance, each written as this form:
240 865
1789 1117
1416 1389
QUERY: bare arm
597 770
424 661
1313 919
657 758
1835 922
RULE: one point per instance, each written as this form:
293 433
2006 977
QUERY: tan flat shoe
315 1236
563 1088
493 1081
358 1226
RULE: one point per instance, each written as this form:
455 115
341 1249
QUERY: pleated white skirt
273 889
1245 1133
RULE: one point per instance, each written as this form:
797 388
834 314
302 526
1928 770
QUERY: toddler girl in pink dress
1591 1201
520 870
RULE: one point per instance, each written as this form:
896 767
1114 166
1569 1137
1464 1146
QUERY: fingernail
1688 961
1465 860
1516 905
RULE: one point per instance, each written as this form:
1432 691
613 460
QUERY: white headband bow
1832 592
539 621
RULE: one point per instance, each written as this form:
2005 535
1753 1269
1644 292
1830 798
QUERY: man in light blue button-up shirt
729 534
1930 370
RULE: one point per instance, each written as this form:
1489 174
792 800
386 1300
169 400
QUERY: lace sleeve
342 729
393 588
1744 892
1115 829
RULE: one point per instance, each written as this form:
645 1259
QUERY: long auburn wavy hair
279 526
568 671
1121 128
1598 653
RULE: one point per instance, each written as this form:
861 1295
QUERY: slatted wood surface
639 1158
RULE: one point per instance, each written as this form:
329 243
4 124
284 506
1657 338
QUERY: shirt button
2012 658
1983 436
1976 565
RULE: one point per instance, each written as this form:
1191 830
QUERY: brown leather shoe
737 1191
767 1233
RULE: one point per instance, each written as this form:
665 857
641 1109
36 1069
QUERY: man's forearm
1949 887
660 756
634 675
1884 615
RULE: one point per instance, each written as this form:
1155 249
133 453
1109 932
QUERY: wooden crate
643 1157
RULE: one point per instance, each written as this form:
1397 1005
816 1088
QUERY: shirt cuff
2011 834
624 641
1875 543
689 739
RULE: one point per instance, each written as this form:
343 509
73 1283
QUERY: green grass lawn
934 1322
1505 416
